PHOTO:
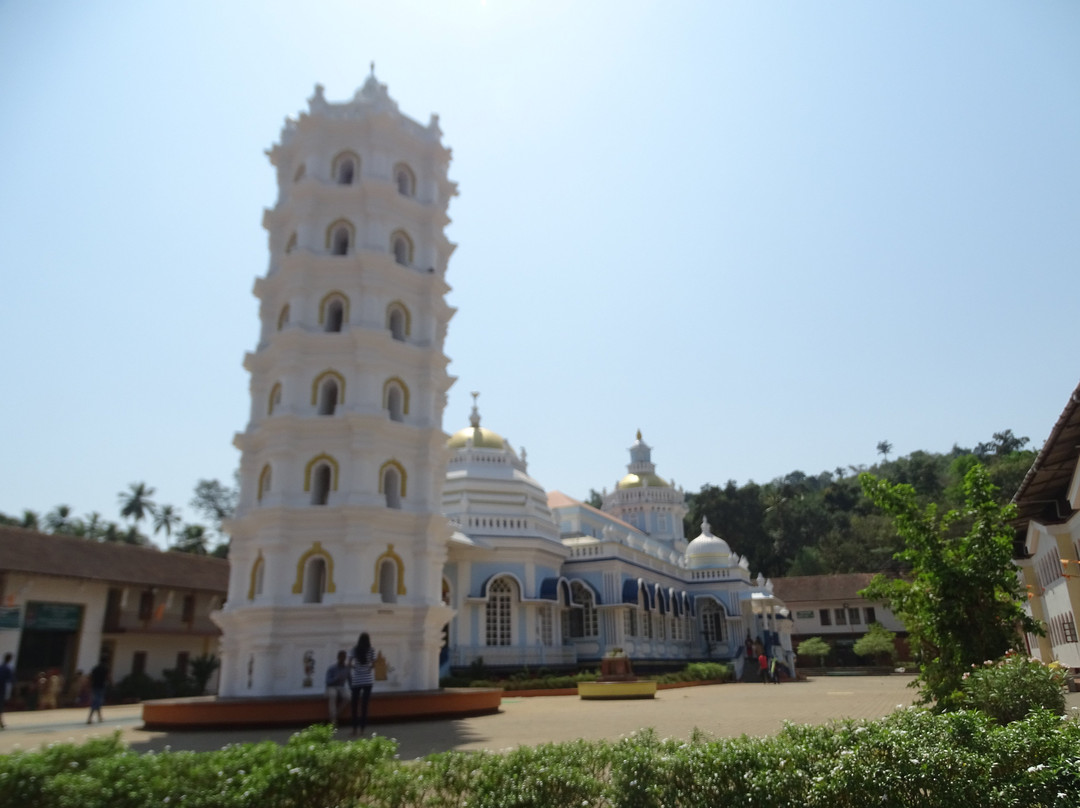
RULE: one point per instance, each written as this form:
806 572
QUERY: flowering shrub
1011 687
913 757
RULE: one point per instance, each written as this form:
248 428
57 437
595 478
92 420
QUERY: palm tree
136 504
30 519
884 447
95 527
166 517
58 520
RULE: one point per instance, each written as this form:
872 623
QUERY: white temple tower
647 501
339 527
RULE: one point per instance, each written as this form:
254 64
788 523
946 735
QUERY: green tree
192 539
58 520
136 503
595 499
30 519
961 599
166 517
215 502
877 642
884 448
814 647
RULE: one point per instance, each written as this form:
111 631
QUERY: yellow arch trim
310 467
394 237
274 391
259 562
404 393
334 226
283 317
328 374
326 302
264 481
336 163
404 310
390 555
401 473
316 549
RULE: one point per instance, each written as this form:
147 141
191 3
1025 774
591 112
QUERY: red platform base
211 712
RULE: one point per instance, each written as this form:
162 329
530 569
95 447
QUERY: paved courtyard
719 710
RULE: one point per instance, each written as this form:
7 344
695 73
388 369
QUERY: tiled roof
1041 495
812 588
28 551
557 499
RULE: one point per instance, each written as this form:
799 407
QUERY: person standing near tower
337 676
7 679
99 681
361 680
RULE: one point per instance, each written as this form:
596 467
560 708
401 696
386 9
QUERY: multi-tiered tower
646 500
339 526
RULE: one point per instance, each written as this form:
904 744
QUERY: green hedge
694 672
911 758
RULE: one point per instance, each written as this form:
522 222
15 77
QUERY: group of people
357 672
768 669
90 689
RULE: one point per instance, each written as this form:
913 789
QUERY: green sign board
808 614
42 616
9 616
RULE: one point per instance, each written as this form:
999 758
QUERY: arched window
315 580
447 597
275 398
290 245
339 237
405 180
583 618
321 480
396 399
258 574
299 175
398 321
392 483
333 312
713 622
283 317
264 481
388 581
328 392
328 397
402 247
499 612
346 168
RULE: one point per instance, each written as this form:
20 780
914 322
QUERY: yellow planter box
616 690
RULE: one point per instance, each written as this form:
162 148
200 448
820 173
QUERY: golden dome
642 480
481 438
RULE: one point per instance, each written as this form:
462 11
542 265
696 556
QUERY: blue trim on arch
551 587
588 585
633 588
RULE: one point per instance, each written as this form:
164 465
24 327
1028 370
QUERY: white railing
500 655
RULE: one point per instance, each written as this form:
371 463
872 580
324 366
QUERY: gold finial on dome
474 416
639 434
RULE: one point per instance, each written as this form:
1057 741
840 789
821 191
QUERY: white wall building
339 526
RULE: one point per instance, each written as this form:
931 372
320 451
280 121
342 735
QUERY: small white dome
708 551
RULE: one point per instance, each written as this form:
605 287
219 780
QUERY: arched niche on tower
307 577
401 247
393 481
389 580
334 311
320 478
404 180
257 577
340 237
273 401
399 321
396 398
265 481
328 392
345 168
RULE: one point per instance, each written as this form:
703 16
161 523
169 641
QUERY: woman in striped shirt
361 679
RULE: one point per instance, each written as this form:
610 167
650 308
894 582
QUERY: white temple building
357 513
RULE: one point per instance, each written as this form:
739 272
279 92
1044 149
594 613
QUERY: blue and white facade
546 580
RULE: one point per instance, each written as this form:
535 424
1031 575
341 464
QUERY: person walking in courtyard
361 680
7 681
337 676
99 681
763 668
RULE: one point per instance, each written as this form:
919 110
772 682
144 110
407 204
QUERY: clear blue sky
769 235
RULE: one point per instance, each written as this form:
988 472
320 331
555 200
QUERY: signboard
9 616
42 616
806 614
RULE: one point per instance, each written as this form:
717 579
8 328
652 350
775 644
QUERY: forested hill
811 525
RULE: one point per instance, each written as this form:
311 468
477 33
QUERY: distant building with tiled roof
830 607
67 601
